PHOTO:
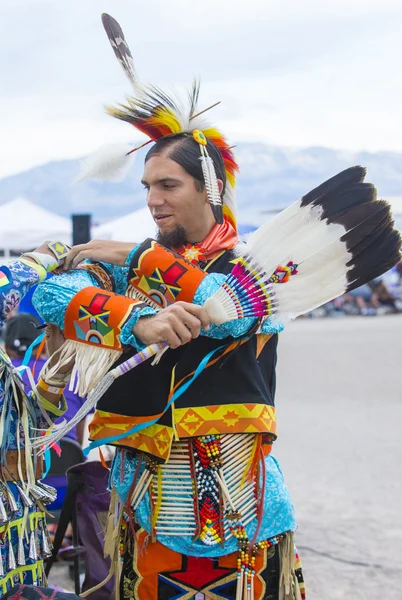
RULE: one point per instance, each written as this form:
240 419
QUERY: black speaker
81 229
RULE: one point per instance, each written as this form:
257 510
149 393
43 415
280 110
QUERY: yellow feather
228 213
167 118
212 132
231 178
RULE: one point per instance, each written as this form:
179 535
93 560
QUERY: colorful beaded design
207 459
194 253
199 137
283 274
247 557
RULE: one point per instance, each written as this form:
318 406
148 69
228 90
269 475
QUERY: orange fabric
164 277
157 439
231 418
221 237
230 562
38 354
155 558
96 317
148 563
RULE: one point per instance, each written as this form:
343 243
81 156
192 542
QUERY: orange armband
96 317
160 276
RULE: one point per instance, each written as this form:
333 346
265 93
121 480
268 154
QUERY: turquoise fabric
278 509
52 297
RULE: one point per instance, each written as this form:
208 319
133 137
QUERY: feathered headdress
153 112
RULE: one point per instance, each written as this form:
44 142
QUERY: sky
293 73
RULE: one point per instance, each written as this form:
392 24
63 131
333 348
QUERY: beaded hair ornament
158 115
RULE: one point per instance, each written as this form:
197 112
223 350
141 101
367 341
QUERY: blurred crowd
380 296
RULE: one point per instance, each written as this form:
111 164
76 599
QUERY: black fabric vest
246 375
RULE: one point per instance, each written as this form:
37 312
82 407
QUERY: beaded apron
209 489
203 483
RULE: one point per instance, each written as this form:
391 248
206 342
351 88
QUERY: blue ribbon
48 462
179 392
28 353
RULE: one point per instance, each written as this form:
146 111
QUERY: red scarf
221 237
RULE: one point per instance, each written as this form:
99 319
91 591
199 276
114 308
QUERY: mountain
270 178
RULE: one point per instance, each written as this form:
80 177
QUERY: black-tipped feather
366 216
380 256
338 202
369 230
339 182
120 47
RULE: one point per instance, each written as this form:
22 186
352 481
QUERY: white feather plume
229 198
211 182
110 163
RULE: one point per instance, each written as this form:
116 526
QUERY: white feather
109 163
229 198
319 280
211 182
298 234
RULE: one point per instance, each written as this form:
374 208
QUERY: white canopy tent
25 225
134 227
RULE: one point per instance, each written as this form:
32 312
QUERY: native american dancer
24 541
199 505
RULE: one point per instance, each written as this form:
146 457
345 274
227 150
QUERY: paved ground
339 405
340 419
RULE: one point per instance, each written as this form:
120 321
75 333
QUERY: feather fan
336 238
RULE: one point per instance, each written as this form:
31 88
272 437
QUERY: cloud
290 73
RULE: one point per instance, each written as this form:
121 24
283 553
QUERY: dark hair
20 332
185 151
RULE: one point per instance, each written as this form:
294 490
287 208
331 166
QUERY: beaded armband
101 274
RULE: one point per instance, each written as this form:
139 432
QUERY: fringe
99 585
111 546
91 364
64 427
135 294
112 525
289 588
287 578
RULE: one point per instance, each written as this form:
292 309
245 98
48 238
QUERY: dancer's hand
107 251
44 249
177 325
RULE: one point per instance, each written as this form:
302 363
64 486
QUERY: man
193 479
199 507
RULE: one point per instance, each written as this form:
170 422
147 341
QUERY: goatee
172 239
